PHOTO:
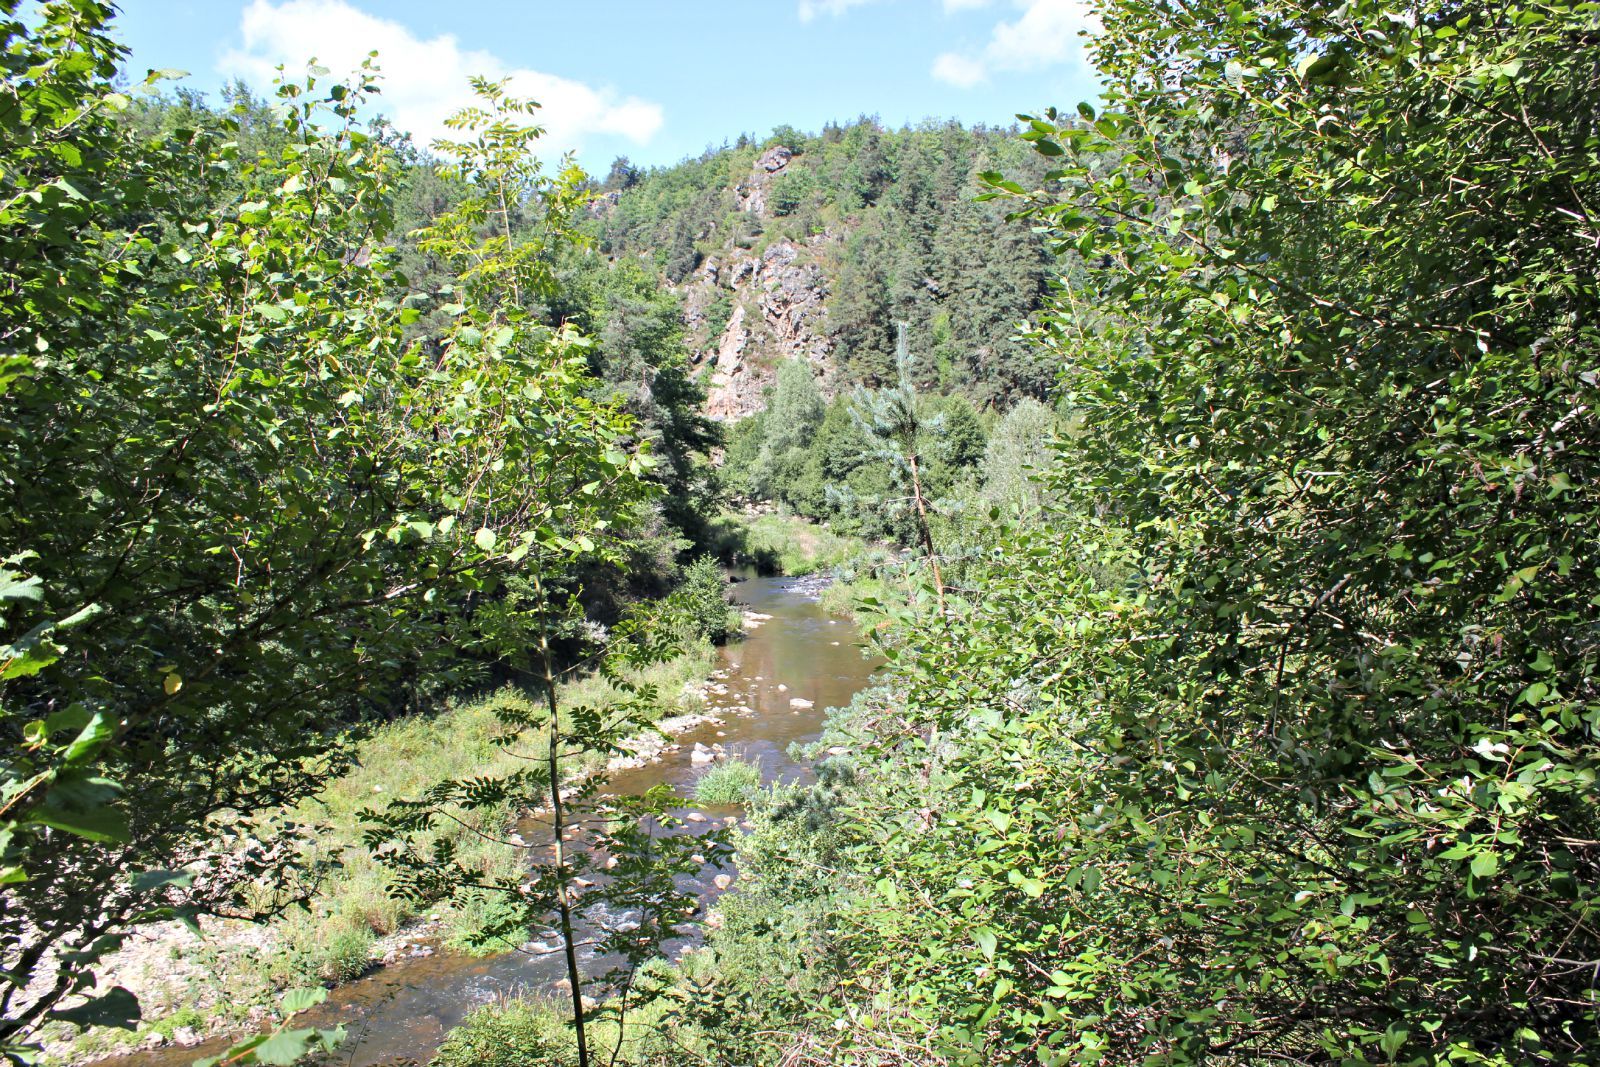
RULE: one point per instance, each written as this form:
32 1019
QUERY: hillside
815 246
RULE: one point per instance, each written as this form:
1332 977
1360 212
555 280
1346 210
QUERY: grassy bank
782 544
225 980
332 940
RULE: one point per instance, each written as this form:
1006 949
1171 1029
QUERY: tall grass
727 783
783 544
331 939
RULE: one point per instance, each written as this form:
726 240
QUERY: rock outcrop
778 294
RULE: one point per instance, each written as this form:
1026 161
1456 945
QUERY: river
787 672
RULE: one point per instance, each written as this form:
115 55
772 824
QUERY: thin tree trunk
925 531
558 823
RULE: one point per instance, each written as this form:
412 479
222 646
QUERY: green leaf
99 824
90 739
485 539
117 1008
160 879
299 1000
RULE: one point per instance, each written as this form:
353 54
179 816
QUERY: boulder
775 158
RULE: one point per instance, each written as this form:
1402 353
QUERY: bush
346 954
316 949
515 1033
728 783
701 602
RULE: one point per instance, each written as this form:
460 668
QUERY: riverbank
804 675
192 988
774 543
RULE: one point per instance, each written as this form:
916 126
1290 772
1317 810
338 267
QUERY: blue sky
655 80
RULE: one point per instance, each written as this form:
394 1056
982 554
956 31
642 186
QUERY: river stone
799 702
722 881
695 816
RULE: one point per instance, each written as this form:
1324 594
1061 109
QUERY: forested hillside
1211 472
816 246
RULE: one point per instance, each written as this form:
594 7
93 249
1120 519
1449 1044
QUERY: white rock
722 881
695 816
799 702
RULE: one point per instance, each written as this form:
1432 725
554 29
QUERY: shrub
728 783
515 1033
346 953
701 602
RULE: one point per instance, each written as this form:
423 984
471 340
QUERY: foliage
783 544
641 364
915 247
789 422
283 1046
834 464
1276 739
701 603
728 782
1017 458
243 510
512 1034
577 492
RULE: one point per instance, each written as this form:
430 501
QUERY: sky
657 81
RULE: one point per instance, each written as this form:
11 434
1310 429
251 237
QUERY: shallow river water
401 1012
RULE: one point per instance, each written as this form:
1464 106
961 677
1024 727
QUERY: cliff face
777 297
818 247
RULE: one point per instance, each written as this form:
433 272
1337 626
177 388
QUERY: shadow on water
779 682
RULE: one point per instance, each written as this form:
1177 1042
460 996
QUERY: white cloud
424 81
961 71
1047 32
810 9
